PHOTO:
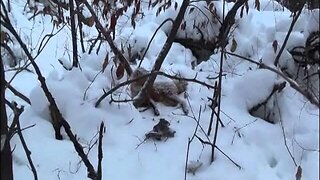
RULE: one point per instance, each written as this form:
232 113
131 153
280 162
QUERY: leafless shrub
307 61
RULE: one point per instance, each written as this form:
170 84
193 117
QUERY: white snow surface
254 144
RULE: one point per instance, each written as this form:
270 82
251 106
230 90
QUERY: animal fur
165 92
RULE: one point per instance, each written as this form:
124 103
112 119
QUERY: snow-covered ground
254 144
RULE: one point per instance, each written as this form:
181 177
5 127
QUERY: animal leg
180 102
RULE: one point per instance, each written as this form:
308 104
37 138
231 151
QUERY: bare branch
17 113
80 26
227 23
95 42
294 20
213 105
100 153
55 112
276 88
91 172
292 82
163 53
106 34
212 146
154 34
187 159
74 35
6 47
148 75
17 93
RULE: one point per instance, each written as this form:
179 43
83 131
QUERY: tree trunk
6 157
143 97
74 35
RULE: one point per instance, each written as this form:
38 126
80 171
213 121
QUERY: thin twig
187 158
238 129
228 157
209 143
45 40
94 78
19 70
154 34
94 42
283 133
190 140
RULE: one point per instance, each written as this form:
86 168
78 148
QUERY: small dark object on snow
161 131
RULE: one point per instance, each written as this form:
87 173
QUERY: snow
256 145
